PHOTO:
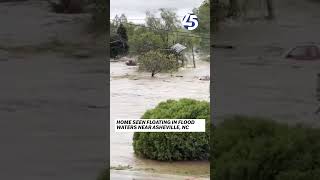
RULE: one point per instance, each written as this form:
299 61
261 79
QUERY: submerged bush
260 149
156 61
171 145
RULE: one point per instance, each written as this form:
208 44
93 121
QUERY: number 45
190 21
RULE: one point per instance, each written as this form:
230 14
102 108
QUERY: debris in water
82 54
97 107
204 78
131 63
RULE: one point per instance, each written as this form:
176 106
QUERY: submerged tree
122 32
143 41
156 61
164 25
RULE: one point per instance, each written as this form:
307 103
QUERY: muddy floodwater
132 93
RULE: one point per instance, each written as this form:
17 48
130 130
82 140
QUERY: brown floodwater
133 92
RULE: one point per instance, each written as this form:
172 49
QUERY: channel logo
190 21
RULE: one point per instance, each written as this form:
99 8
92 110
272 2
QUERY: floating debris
204 78
82 54
131 63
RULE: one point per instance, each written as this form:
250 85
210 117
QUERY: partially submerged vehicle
304 52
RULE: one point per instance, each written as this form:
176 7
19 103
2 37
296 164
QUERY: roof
178 48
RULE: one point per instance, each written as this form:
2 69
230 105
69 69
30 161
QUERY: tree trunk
270 9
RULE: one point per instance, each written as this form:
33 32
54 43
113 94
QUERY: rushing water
133 92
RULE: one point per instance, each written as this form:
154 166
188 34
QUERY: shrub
143 41
169 146
156 62
260 149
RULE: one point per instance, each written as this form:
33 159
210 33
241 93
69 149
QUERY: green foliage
119 45
169 146
142 41
169 18
261 149
203 29
203 14
117 21
188 39
157 61
159 33
163 26
152 36
122 32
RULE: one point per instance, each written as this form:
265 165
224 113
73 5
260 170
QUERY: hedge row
169 146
